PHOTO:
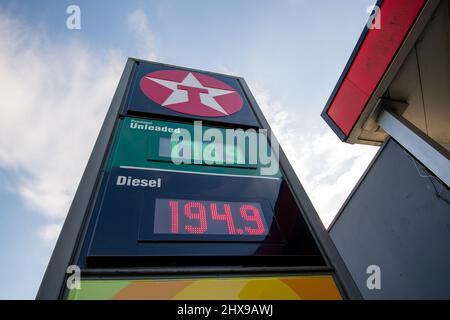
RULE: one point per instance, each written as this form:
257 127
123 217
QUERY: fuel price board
168 199
145 214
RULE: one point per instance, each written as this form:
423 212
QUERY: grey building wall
397 217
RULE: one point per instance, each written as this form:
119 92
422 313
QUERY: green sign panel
149 143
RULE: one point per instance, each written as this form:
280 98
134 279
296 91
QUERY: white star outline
180 96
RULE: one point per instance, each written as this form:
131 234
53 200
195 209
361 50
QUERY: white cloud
50 232
139 26
54 97
327 167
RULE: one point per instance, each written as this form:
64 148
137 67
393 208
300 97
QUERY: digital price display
147 143
174 150
147 217
179 216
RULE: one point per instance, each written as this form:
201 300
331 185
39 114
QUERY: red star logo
191 93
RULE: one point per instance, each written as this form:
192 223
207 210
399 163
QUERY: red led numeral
224 217
198 214
196 211
254 216
174 214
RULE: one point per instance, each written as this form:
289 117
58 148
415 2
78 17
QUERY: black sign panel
147 216
170 92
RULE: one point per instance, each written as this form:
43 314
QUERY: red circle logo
191 93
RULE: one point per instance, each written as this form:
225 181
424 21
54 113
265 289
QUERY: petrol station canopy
403 67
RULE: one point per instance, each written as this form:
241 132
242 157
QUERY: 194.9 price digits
207 217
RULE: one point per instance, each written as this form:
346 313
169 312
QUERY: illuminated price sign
146 215
179 216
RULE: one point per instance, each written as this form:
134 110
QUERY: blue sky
57 85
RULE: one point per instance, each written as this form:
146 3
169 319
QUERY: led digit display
148 215
181 216
169 149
